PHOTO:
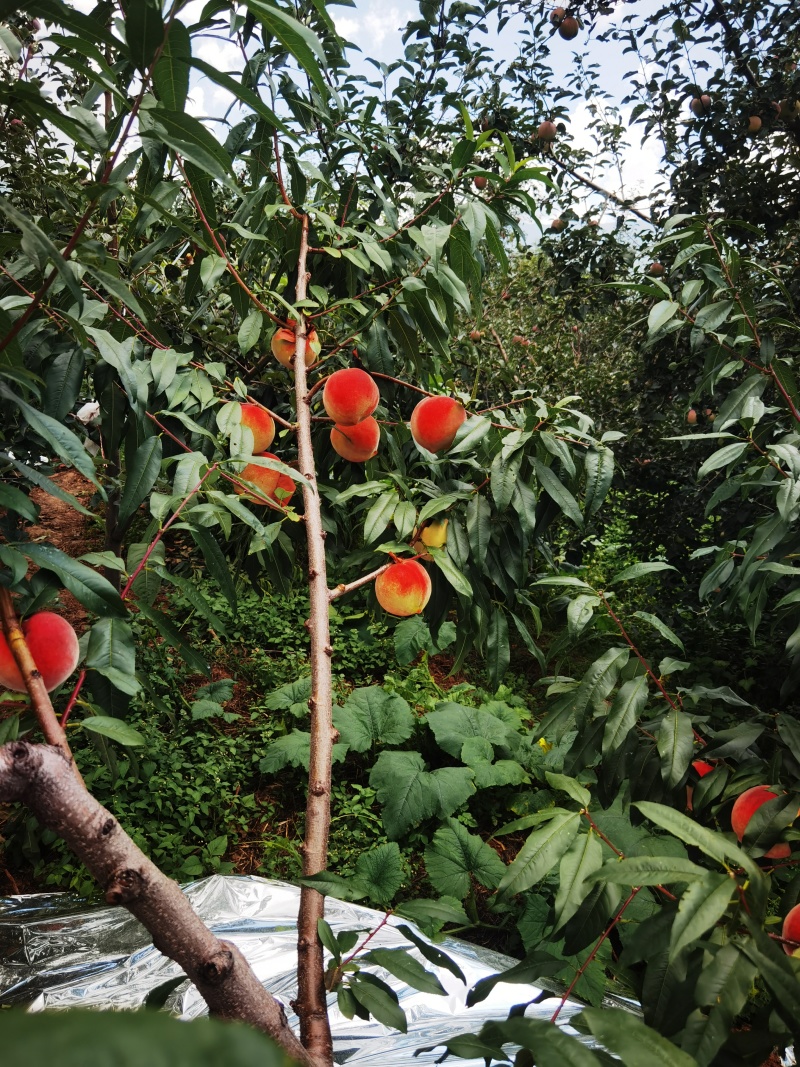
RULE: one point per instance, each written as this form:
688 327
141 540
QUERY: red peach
435 421
475 335
265 479
557 225
480 182
349 396
754 124
357 443
568 29
547 131
556 15
655 270
404 588
791 930
284 342
745 806
53 645
691 416
260 424
701 105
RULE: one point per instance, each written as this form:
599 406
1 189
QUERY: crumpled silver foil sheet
57 951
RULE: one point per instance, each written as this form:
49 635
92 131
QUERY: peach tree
203 283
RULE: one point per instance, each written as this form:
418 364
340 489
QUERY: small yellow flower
545 746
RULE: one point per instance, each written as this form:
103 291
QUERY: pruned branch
41 777
365 579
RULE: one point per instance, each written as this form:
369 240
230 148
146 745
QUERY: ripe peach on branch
435 422
271 485
357 443
53 645
260 423
284 343
745 807
404 588
350 396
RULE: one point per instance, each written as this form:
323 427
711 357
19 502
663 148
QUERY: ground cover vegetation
514 590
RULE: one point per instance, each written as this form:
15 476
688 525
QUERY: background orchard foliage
617 594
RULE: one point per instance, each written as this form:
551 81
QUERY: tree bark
312 1009
41 777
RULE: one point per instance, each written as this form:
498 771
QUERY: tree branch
312 1007
42 778
604 192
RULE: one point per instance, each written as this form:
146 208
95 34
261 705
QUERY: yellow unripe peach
434 535
404 588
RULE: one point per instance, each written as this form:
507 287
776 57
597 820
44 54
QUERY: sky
376 27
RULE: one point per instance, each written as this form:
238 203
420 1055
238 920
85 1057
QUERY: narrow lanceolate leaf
398 962
559 492
701 907
636 1044
775 969
112 653
692 833
540 853
554 1048
116 729
599 465
298 40
723 988
141 476
675 740
144 31
171 72
38 246
660 315
498 650
216 562
245 95
662 628
66 445
379 516
503 477
380 1000
582 859
459 581
639 570
90 588
629 703
14 499
649 870
432 954
479 529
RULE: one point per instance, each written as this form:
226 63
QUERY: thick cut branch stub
41 777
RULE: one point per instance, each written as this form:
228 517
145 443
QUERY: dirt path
65 528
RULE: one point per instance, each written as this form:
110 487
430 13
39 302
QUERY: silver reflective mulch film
57 951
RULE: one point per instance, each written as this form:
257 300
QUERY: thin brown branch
626 204
343 588
315 1031
221 251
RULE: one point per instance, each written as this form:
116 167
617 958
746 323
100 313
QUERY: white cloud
376 28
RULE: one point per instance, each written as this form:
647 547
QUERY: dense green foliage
618 614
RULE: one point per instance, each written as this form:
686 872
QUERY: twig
34 683
343 588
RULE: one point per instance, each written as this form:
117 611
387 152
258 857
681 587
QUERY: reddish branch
84 220
223 253
43 779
